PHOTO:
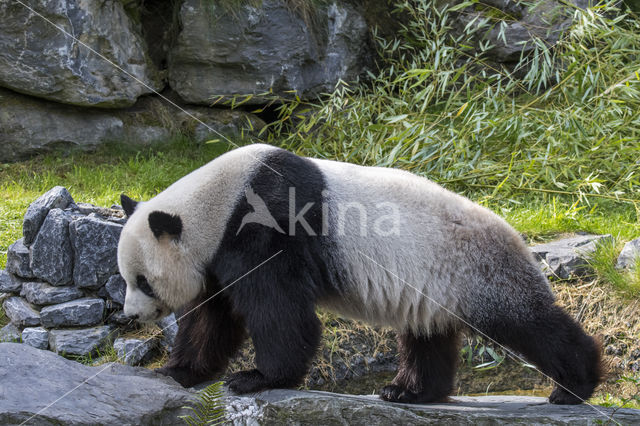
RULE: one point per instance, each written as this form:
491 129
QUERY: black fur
162 223
128 205
427 368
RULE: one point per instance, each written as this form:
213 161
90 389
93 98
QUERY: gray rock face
95 247
311 407
9 283
513 36
629 254
81 312
18 259
263 46
566 257
57 197
36 337
81 342
29 126
112 395
20 312
169 328
51 254
44 294
39 60
116 289
9 333
135 351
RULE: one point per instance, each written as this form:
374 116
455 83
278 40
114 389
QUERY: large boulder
266 45
51 254
41 60
107 395
30 126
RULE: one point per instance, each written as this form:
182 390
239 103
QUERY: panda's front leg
285 339
208 335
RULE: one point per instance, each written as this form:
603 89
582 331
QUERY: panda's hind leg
427 368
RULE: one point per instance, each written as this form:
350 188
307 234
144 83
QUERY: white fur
204 200
428 252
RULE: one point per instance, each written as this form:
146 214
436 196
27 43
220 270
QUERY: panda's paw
395 393
184 376
248 381
562 397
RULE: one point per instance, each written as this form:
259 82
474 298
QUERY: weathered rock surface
51 254
266 45
111 394
135 351
116 288
18 259
76 313
44 294
9 283
169 327
95 247
80 341
629 254
36 337
57 197
566 257
40 60
20 312
9 333
312 407
30 126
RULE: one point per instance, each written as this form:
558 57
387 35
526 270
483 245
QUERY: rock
313 407
4 296
40 60
20 312
567 257
44 294
107 394
30 126
81 312
266 45
95 247
118 318
511 35
51 254
81 342
116 289
18 259
629 254
37 337
169 327
57 197
135 351
9 283
9 333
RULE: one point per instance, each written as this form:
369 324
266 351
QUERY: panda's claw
395 393
248 381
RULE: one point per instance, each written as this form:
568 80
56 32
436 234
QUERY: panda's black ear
162 223
128 205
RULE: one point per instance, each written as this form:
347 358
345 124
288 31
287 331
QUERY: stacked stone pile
61 289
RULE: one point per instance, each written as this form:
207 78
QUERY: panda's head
154 261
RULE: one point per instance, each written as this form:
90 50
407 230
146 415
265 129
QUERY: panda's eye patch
143 286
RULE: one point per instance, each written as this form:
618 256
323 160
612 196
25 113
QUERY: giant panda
252 242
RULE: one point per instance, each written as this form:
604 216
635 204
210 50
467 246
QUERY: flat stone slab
81 312
45 294
566 258
81 342
314 407
111 394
